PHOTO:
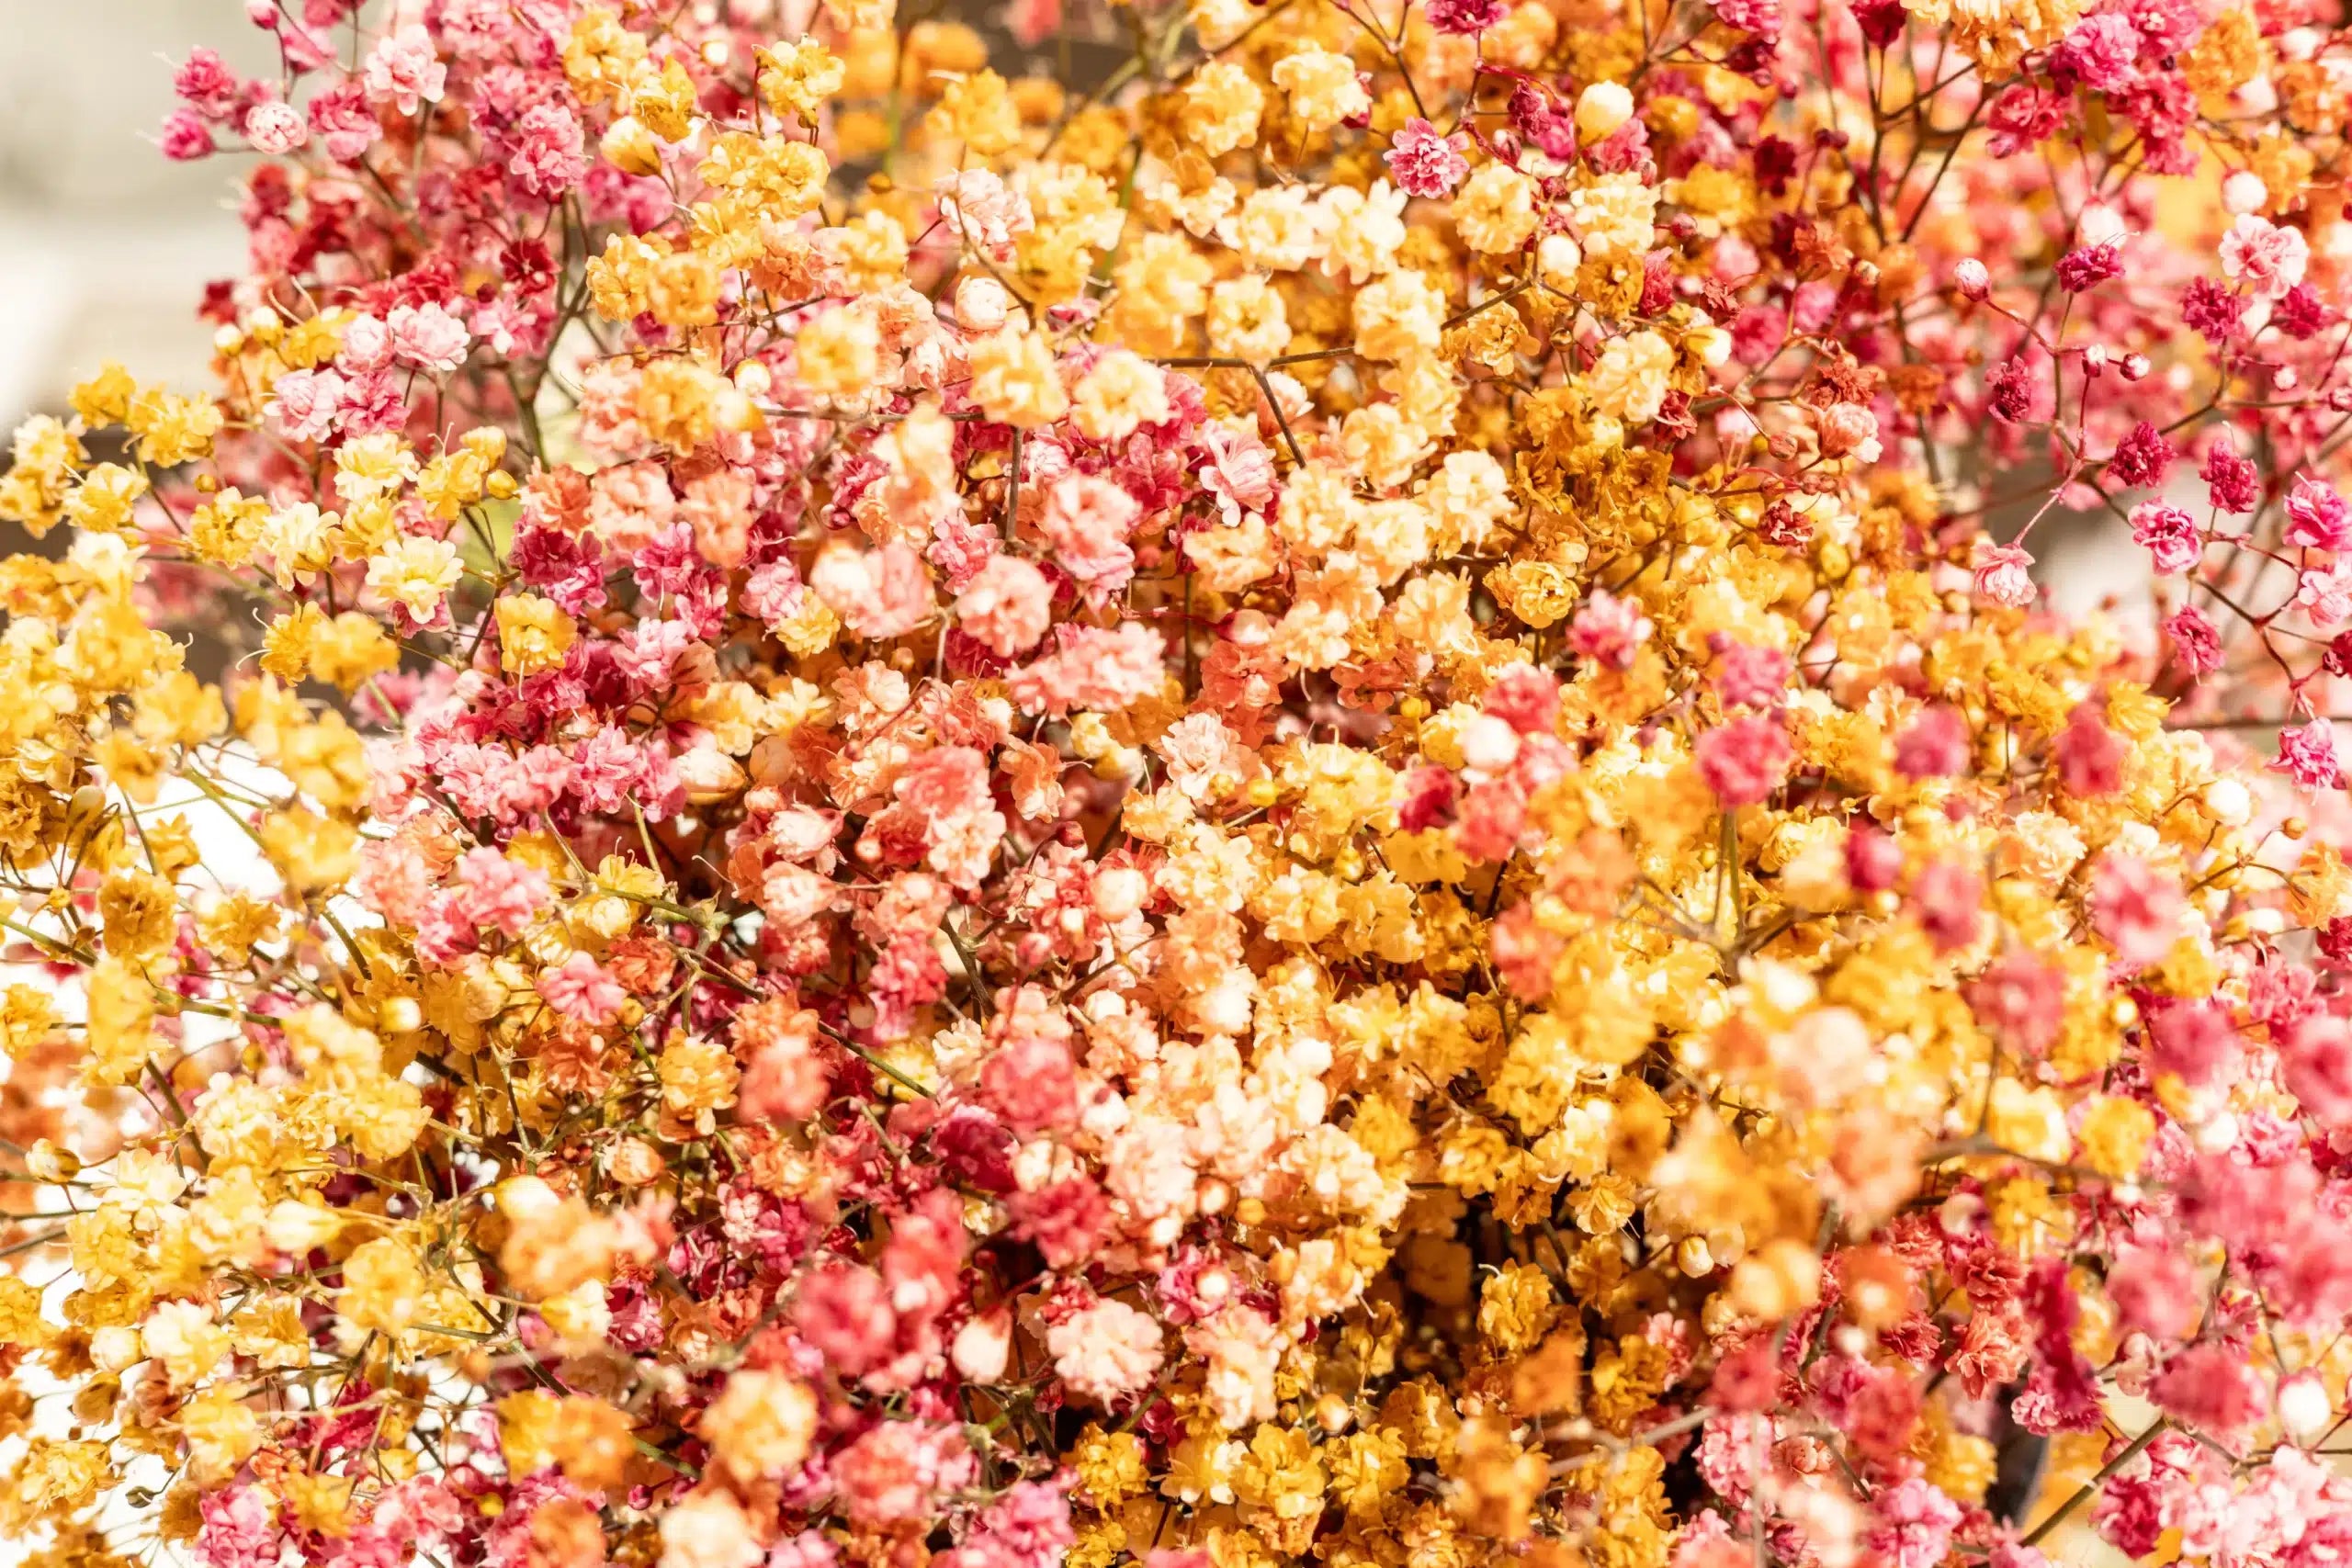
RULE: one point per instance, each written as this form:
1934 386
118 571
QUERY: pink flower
1239 473
345 125
982 211
2195 643
237 1530
2326 595
845 1312
1460 17
877 593
1427 793
403 69
1760 16
2142 459
582 990
2089 756
1032 22
2169 535
546 158
2135 908
501 893
367 346
2212 1389
1424 163
1934 746
1610 630
395 880
897 1472
1748 675
2268 259
1007 607
373 402
427 336
1028 1527
2102 51
2317 517
1101 668
2021 1000
305 403
2155 1291
205 84
1105 1351
1088 521
1912 1524
1524 698
1029 1080
1873 860
276 129
2003 576
1850 430
2195 1042
2316 1059
947 791
1949 894
185 138
2308 756
1744 760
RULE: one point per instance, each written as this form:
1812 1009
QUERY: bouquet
861 797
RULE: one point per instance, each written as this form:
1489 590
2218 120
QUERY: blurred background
106 245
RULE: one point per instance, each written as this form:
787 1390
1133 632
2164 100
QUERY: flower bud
2304 1409
1556 260
1602 108
628 146
981 305
1972 278
117 1348
982 1347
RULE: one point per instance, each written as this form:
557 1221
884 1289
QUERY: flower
2169 535
2317 517
1318 760
1322 85
427 336
404 71
2003 576
276 129
2307 755
1424 163
1105 1351
582 990
1743 762
2267 259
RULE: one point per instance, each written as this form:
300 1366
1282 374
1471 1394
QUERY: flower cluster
1305 806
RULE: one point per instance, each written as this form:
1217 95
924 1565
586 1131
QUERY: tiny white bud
1602 108
2229 802
1556 260
2304 1409
981 305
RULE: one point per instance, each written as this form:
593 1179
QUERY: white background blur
104 246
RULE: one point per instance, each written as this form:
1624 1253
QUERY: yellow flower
1221 108
1495 212
1014 380
697 1078
383 1287
534 634
1321 86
